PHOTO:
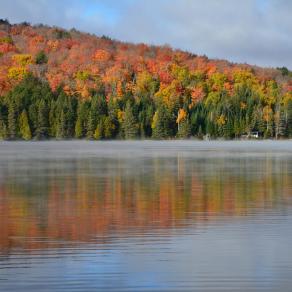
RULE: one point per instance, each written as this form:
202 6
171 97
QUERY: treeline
31 110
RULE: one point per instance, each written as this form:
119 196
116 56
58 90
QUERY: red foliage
114 63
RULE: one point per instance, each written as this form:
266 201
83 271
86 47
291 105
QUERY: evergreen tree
33 115
129 123
200 134
12 121
3 128
210 128
91 125
289 119
43 122
108 128
160 124
113 115
82 116
228 129
53 120
98 133
79 128
184 130
61 127
41 58
24 127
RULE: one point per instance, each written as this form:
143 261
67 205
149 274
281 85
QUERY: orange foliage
101 56
181 115
119 65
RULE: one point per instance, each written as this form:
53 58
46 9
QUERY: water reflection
81 198
129 216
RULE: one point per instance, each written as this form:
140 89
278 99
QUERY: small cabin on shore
251 135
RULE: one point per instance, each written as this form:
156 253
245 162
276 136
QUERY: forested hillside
63 84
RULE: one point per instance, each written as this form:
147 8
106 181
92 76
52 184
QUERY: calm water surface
138 216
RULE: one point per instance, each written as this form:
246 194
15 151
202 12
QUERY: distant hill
96 87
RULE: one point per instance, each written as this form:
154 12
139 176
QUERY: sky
257 32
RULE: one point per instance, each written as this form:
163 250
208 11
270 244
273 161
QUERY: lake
146 216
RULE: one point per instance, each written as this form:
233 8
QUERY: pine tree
61 127
184 130
108 128
33 116
289 119
43 122
160 124
227 129
98 133
12 122
24 127
81 122
210 128
41 58
129 123
200 134
79 128
3 128
91 125
70 116
53 119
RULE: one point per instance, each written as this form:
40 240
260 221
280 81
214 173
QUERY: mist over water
146 215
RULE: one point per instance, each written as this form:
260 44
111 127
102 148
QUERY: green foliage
3 128
129 124
32 111
41 58
12 121
4 21
42 121
79 131
61 34
6 40
61 127
98 133
184 130
161 123
24 127
284 71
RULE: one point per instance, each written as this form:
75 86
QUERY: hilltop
65 83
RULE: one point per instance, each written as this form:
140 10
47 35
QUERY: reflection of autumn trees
87 198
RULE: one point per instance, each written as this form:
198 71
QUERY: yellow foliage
82 75
181 115
154 120
6 40
121 116
22 59
168 93
221 120
182 74
213 98
98 133
144 79
287 98
217 81
242 105
244 76
267 113
272 92
16 73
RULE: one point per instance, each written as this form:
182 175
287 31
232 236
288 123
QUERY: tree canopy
66 84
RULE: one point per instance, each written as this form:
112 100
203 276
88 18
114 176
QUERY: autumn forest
63 84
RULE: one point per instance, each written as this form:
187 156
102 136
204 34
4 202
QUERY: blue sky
252 31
